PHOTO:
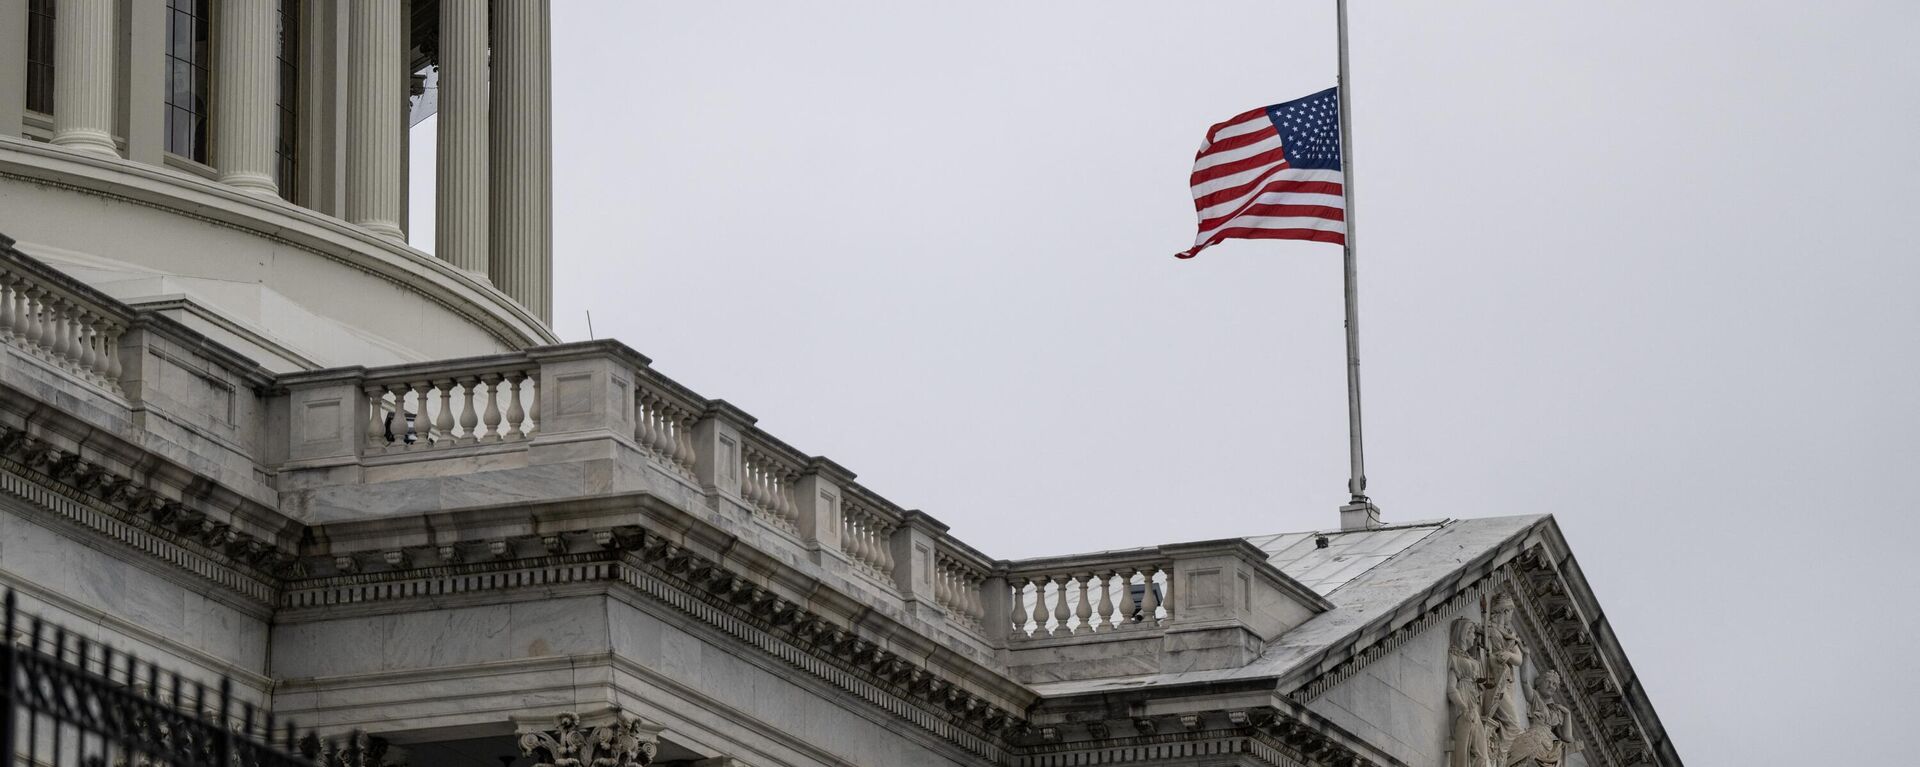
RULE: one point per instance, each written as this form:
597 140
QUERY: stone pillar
13 67
522 223
245 90
374 116
143 104
460 210
322 91
83 89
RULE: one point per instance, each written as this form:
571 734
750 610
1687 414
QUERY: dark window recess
286 148
189 52
40 15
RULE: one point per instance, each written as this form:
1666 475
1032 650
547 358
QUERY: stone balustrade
60 321
957 583
426 407
663 419
768 473
866 536
1090 596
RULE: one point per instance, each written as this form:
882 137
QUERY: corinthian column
522 264
249 80
374 116
460 216
83 86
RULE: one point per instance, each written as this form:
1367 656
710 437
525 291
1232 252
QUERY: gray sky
1646 266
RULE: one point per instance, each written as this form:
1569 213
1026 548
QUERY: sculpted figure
1465 671
1549 736
1505 653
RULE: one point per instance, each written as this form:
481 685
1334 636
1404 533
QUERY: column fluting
244 102
460 211
83 90
375 118
522 172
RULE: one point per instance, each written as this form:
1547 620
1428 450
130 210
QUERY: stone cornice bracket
147 515
620 740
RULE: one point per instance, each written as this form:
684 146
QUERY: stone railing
769 470
958 577
60 321
664 415
866 535
1090 595
416 408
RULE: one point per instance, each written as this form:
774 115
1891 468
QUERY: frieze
119 507
683 579
1296 738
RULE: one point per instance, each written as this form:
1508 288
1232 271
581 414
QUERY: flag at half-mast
1273 173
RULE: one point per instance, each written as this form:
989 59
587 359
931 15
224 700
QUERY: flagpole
1359 513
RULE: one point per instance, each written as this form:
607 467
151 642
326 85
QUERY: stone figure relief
1483 672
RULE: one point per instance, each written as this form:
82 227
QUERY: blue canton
1310 130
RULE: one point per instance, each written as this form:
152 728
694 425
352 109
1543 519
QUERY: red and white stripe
1243 189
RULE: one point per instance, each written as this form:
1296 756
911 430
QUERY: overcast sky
1648 266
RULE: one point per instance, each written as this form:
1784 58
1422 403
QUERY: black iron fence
69 702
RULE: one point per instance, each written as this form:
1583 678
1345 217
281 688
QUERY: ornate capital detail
624 742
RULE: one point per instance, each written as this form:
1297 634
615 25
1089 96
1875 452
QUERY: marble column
244 113
13 67
376 97
460 211
522 261
83 89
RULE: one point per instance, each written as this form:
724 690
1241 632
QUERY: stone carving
1483 671
620 744
1549 737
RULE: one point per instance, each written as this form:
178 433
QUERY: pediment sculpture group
1483 673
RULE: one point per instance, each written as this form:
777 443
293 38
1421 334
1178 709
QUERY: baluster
7 322
83 356
1149 602
490 420
468 417
113 354
1019 616
516 413
533 405
885 542
976 606
32 326
1106 601
423 425
1040 611
943 585
1062 612
61 341
683 443
1084 610
69 336
862 546
376 429
644 420
1166 595
443 420
1126 595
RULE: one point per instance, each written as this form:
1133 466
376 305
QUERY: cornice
212 203
668 573
1280 735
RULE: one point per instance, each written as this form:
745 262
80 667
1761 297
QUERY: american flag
1272 173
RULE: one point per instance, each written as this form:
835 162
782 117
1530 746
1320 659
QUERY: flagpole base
1361 514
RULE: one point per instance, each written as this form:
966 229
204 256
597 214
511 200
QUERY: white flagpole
1359 513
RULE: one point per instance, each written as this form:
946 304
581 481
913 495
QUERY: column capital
610 737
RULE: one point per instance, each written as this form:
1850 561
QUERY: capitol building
249 435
